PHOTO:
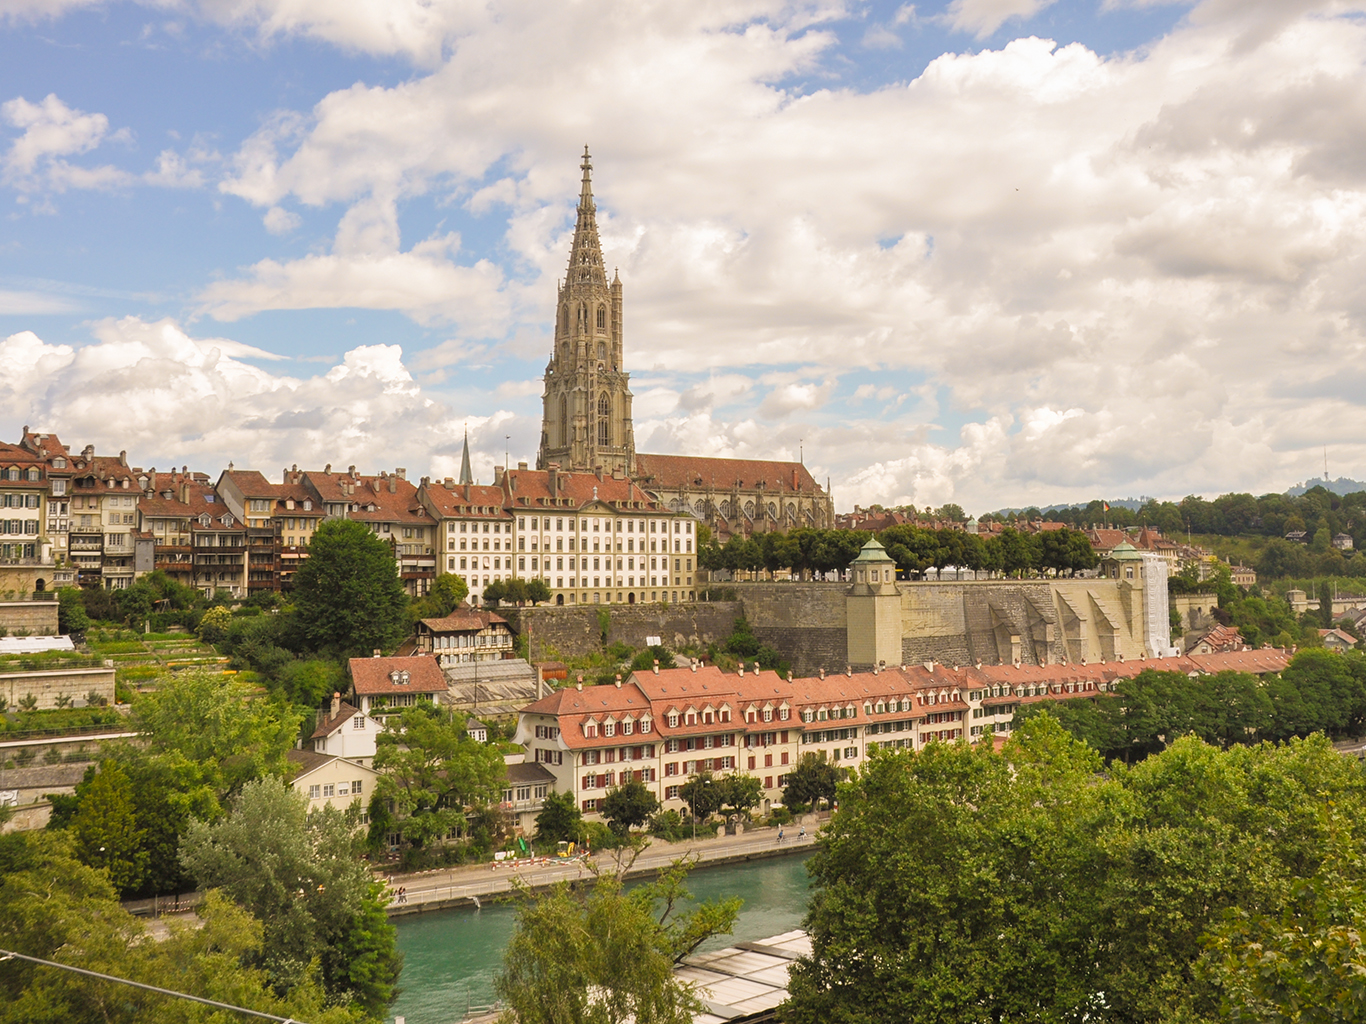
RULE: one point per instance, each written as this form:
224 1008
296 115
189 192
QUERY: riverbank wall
474 892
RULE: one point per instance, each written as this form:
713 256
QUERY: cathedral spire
466 475
585 258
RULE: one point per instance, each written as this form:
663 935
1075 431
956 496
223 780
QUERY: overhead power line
6 954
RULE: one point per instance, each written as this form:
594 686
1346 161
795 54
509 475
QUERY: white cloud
983 17
279 221
172 399
1135 271
51 132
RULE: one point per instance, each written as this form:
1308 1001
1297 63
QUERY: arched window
604 420
564 320
602 350
564 421
602 318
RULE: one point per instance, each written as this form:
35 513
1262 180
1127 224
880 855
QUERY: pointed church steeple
466 476
586 422
585 256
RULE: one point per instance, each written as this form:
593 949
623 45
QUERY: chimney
401 473
376 654
849 670
822 673
742 670
756 668
656 666
694 666
336 703
598 471
618 680
579 684
521 466
540 682
327 469
393 483
553 481
497 476
123 458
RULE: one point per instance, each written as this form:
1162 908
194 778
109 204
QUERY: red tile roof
464 620
687 472
330 724
370 676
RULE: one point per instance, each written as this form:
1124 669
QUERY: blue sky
994 252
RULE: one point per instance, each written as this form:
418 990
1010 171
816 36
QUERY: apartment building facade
664 727
593 538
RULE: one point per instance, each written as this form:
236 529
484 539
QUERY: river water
452 956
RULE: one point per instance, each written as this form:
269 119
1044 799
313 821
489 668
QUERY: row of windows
610 754
12 473
599 525
19 500
327 790
18 526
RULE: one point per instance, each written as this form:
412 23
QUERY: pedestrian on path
780 833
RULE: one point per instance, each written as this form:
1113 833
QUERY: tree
702 795
963 884
560 819
347 594
300 875
53 907
537 591
811 779
629 806
739 792
602 955
216 721
432 773
71 616
106 831
213 627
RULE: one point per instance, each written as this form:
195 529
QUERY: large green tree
106 829
963 884
301 875
432 774
560 819
603 955
629 806
347 594
54 907
811 780
214 720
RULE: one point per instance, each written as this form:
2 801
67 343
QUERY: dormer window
59 463
850 712
399 677
227 520
308 505
929 699
627 727
784 713
768 714
205 519
590 730
644 725
808 715
609 728
673 719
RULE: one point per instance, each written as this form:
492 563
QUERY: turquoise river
452 956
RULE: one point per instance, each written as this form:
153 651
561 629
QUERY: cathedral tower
586 420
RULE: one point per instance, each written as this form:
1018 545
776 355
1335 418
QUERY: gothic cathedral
586 419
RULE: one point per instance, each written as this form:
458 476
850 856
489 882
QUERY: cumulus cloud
1120 271
170 398
53 131
983 17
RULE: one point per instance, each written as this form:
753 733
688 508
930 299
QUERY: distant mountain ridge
1342 485
1132 504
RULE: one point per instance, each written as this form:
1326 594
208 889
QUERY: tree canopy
603 955
347 594
54 907
301 875
958 883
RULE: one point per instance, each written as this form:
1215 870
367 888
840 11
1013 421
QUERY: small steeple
466 475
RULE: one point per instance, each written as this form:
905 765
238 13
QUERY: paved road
477 881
